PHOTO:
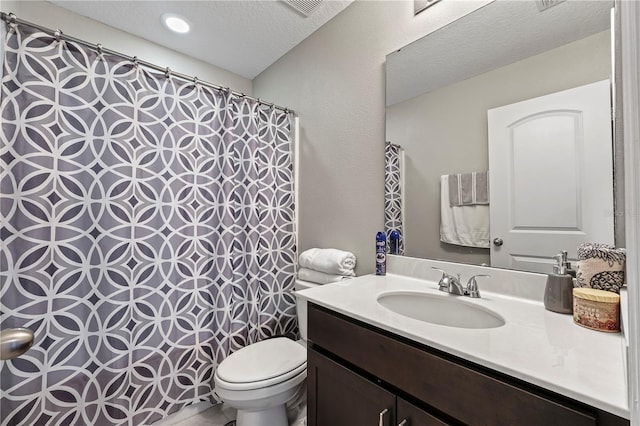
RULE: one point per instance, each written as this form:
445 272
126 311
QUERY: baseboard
185 413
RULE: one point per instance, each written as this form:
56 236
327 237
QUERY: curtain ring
135 61
195 80
57 34
272 106
286 110
242 95
99 48
12 22
167 72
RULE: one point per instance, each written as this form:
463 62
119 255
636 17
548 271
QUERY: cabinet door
414 416
338 397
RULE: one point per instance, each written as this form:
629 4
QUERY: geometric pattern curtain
147 229
393 192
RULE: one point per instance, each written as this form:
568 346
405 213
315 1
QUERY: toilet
258 380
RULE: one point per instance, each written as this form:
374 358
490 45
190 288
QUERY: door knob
14 342
498 241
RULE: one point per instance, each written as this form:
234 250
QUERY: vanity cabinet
342 397
356 371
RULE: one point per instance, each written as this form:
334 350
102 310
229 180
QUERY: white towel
462 225
329 261
319 277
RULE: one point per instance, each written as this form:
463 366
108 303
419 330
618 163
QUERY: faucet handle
472 286
444 282
441 270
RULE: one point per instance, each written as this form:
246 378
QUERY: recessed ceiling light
175 23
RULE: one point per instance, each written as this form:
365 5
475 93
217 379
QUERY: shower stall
147 230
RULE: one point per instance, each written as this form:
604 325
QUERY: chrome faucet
452 285
449 283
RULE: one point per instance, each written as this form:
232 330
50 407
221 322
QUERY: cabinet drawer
467 395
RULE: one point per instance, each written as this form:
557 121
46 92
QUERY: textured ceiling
495 35
241 36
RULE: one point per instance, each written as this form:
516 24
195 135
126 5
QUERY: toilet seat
262 364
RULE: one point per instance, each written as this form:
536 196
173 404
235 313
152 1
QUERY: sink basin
450 311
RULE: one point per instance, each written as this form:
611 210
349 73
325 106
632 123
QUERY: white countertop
535 345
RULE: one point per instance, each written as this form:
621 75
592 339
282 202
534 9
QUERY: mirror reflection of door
440 87
550 162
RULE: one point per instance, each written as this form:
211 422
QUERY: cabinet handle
382 414
403 423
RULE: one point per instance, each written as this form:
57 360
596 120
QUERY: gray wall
335 81
445 131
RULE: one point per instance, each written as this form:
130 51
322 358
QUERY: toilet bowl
259 379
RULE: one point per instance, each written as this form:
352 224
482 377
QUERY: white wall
54 17
445 131
335 80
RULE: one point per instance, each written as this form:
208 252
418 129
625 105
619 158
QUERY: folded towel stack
600 266
324 266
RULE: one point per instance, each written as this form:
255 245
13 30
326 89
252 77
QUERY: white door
551 176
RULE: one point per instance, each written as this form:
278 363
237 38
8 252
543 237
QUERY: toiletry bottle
394 242
381 253
558 294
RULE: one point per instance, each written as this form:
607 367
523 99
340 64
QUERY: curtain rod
11 19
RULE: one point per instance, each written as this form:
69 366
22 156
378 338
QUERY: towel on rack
329 261
462 225
468 189
319 277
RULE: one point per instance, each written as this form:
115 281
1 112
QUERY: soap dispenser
567 264
558 294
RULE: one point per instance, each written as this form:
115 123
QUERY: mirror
440 87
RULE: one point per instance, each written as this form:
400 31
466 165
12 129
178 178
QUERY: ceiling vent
304 7
546 4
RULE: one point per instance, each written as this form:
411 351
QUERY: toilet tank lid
303 285
262 361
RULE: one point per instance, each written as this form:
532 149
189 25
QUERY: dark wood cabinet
355 371
343 398
411 415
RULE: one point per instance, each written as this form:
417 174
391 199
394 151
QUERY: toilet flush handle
14 342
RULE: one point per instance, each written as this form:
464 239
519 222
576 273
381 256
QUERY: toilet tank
301 307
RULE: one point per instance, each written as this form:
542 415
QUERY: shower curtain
147 232
393 192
